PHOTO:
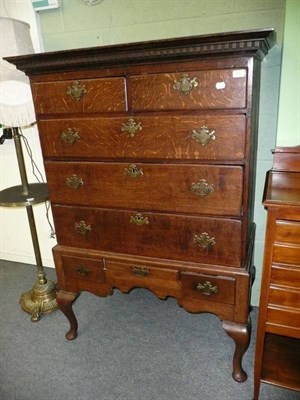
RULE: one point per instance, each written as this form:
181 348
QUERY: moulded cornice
255 43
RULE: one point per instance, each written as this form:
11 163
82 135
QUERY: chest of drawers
277 358
149 152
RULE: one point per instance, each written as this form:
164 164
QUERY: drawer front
287 232
219 289
284 297
286 276
203 189
189 137
286 254
82 273
84 96
284 317
129 275
196 239
211 89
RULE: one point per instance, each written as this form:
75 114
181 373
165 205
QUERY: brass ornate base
41 299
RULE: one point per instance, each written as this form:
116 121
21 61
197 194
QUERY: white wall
15 239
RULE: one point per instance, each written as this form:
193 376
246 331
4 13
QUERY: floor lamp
16 112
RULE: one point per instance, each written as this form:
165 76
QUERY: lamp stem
21 163
25 192
40 269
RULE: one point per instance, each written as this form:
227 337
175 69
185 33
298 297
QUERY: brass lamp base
41 299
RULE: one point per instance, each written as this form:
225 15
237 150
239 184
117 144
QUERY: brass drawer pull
204 241
74 181
70 135
202 188
203 136
207 288
139 219
82 270
140 271
185 84
76 90
131 127
82 227
133 171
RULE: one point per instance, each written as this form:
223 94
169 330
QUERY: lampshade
16 105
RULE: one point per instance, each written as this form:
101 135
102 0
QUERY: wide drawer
125 276
214 288
82 273
177 237
83 96
207 89
189 137
203 189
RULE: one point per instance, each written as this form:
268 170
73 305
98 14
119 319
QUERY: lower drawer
82 273
177 237
284 297
125 276
208 287
286 253
284 317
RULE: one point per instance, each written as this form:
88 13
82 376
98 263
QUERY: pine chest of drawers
149 151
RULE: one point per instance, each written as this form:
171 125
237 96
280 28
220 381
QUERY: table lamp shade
16 105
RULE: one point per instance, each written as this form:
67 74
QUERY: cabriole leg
65 302
240 333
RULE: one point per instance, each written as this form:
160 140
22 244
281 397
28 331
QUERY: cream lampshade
16 105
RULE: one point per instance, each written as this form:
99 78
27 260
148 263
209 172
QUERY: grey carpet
129 347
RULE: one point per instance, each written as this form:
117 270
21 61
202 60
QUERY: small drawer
82 96
284 297
284 317
189 137
193 188
288 276
125 276
219 289
82 273
209 89
286 254
287 232
166 236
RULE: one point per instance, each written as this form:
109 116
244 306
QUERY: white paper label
220 85
238 73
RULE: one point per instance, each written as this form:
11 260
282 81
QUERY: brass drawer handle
76 90
203 136
207 288
82 270
140 271
131 127
202 188
204 241
70 135
139 219
185 84
133 171
74 181
82 227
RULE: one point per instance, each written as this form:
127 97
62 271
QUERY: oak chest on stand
150 153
